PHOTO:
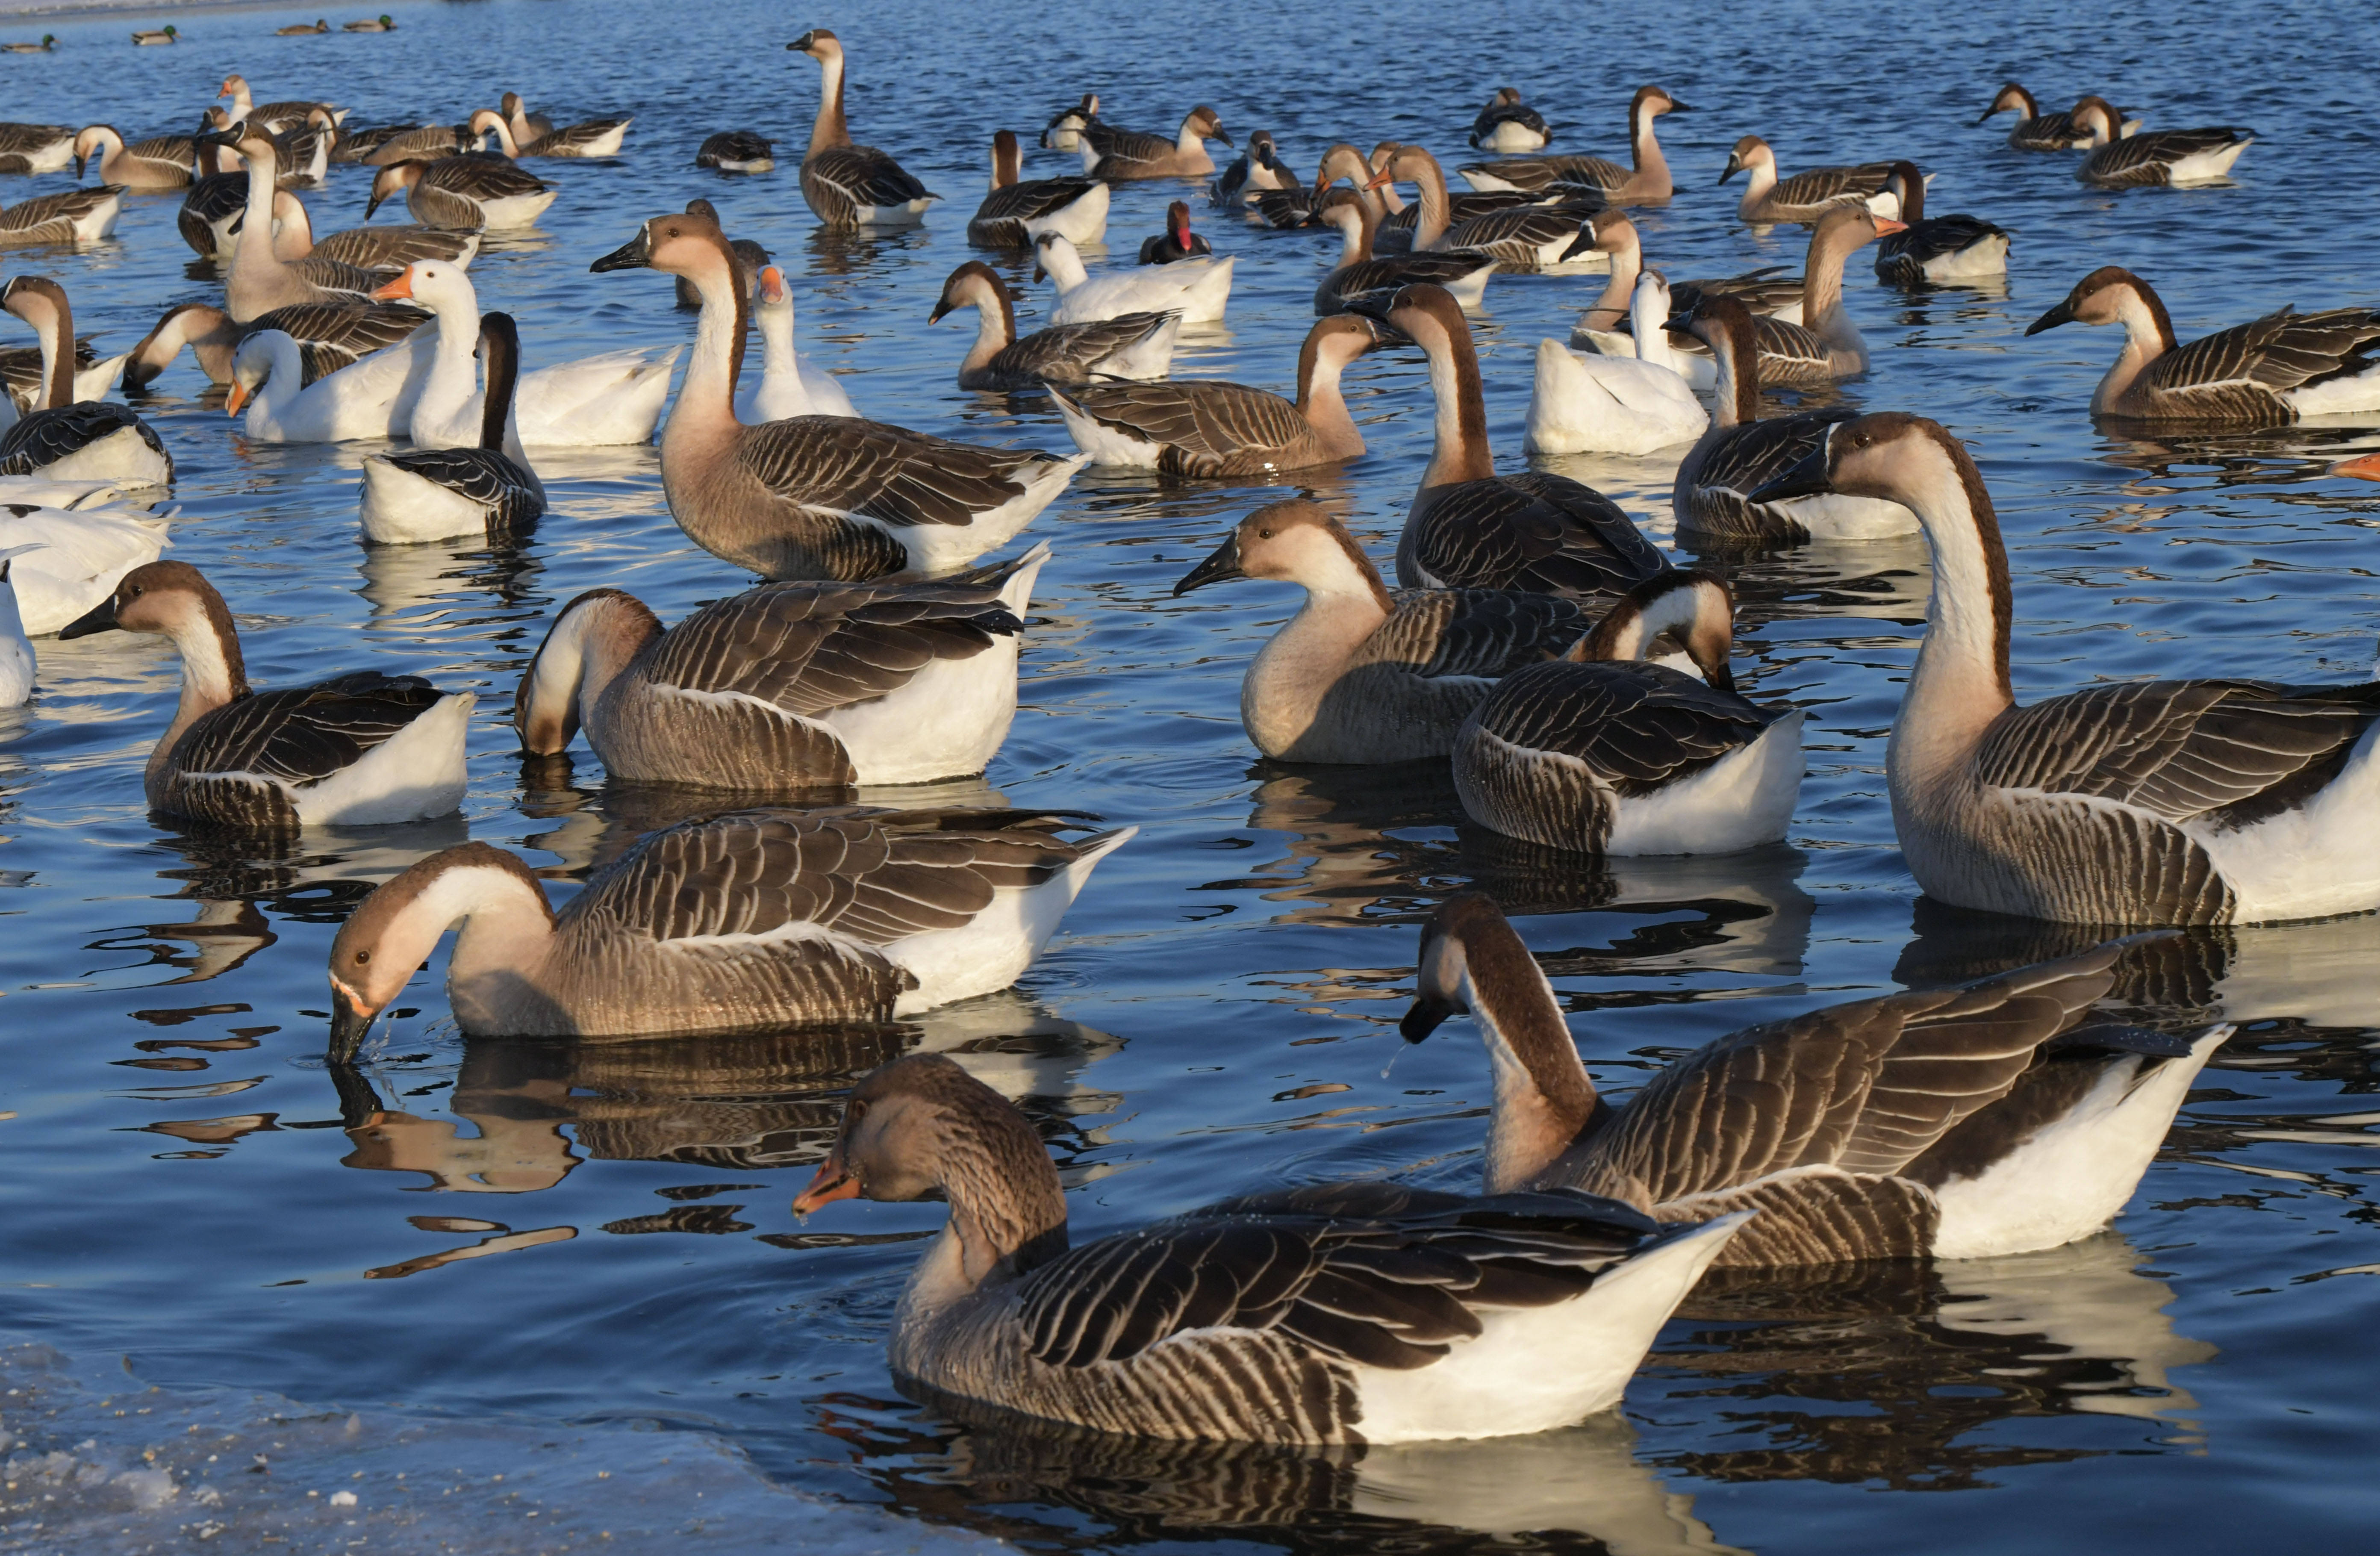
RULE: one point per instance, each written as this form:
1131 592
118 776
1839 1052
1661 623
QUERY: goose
151 38
1359 272
1257 170
486 122
738 151
1646 181
1407 165
1615 405
1806 196
1200 427
49 42
526 126
539 137
1980 1120
845 185
380 146
1016 212
373 397
2165 157
1532 239
1764 292
1603 753
1120 154
1721 487
70 560
385 247
329 337
1335 1313
271 118
487 488
1507 124
85 216
1065 131
1469 527
305 154
1944 251
601 401
788 386
1360 676
1130 345
360 750
162 163
64 438
16 666
462 193
1826 346
1198 289
24 372
789 685
2141 802
372 24
755 921
35 148
2037 131
750 258
2262 373
1177 242
301 29
260 280
817 496
1395 232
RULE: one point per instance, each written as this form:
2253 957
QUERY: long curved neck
293 237
830 132
589 649
1437 211
213 674
505 931
1461 451
1627 262
496 409
1760 181
1736 354
777 357
1356 227
454 377
1645 148
1320 364
718 359
1961 681
1544 1100
2148 335
52 321
1007 1209
495 124
1822 273
255 255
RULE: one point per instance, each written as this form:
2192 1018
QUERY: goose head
1606 232
1748 153
1204 124
2110 295
244 141
1651 102
435 284
1409 164
254 366
1849 226
394 930
233 86
973 284
1342 160
820 44
1721 323
98 139
771 296
1687 605
486 122
1427 315
2096 117
1054 255
180 326
1293 541
688 244
170 599
604 625
2010 99
1177 221
393 179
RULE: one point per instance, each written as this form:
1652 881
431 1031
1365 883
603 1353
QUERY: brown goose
1017 211
2137 802
329 337
35 148
2265 373
462 193
1806 196
1360 676
2037 131
1826 345
1960 1122
849 186
1353 1313
754 920
164 163
85 216
1470 527
360 750
536 135
64 438
1118 155
389 246
1065 131
1130 345
750 261
817 496
383 145
1358 272
260 280
271 118
2160 157
788 686
1646 182
212 213
1199 427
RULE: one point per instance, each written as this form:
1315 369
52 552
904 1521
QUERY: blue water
1219 1015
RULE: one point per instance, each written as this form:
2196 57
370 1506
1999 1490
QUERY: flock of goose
1577 682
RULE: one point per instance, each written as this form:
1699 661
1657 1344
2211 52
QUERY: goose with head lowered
756 920
1469 527
1199 290
371 398
1508 123
462 193
2037 131
788 687
1335 1313
1601 753
1615 405
1645 182
849 186
1943 251
387 247
1019 210
1116 154
1360 676
1970 1122
789 385
738 151
1130 345
360 750
1721 490
329 337
2118 161
601 401
488 488
1359 272
161 163
1208 428
2138 802
64 438
2266 373
817 496
1807 195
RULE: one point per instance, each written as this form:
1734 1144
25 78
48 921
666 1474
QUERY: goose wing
571 137
865 176
1284 209
70 204
870 470
1789 353
1936 237
2146 157
2279 352
337 276
1636 727
484 475
810 648
481 177
1038 198
166 148
1126 145
1534 174
392 248
1068 352
45 437
20 366
1831 185
1545 534
331 336
1474 632
19 138
2227 753
1763 291
1516 234
1203 417
1497 114
1442 267
305 733
1757 453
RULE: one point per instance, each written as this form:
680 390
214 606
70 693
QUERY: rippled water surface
1219 1015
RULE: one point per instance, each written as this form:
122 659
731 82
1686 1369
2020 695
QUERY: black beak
376 199
1677 322
1583 244
2062 314
943 308
1678 107
1220 135
802 44
99 618
634 254
1984 118
1426 1017
230 137
1220 568
1734 167
1804 478
348 1029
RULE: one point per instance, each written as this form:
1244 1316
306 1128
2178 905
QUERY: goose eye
362 957
854 1113
1264 534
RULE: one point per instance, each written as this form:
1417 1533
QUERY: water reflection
405 584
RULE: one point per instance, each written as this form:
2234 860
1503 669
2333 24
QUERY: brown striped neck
829 131
1644 147
42 303
1837 234
593 639
1007 161
1908 184
1333 343
1615 234
1434 321
1358 226
1725 325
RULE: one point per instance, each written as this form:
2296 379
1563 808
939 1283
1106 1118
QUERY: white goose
17 665
596 402
439 493
1198 289
370 398
69 561
2140 802
1602 753
787 385
1615 405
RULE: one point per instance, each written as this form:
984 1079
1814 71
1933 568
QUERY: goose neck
214 675
777 340
1645 148
1008 1215
1735 354
709 390
829 131
503 936
1544 1100
1627 261
1461 451
2148 335
255 252
1960 681
1320 398
1437 211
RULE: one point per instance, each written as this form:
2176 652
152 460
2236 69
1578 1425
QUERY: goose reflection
403 584
1887 579
2291 455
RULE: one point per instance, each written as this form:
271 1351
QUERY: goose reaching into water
1958 1123
1645 183
756 920
360 749
1806 196
1943 251
817 496
162 163
788 386
1356 1313
1118 154
1130 345
1507 124
790 686
849 186
462 193
2037 131
1198 290
2262 373
64 438
442 493
371 398
1017 211
2165 157
2138 802
1601 752
738 151
1360 676
1616 405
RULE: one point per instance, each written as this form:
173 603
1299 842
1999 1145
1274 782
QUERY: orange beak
400 287
1886 225
236 398
2364 467
1377 179
833 1182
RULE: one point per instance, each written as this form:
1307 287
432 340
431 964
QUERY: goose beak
376 199
2364 467
2062 314
833 1182
1983 118
1678 107
1425 1018
1885 226
1377 179
235 399
350 1023
99 618
772 286
1040 275
634 254
1804 478
400 287
1220 568
1583 244
1734 166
